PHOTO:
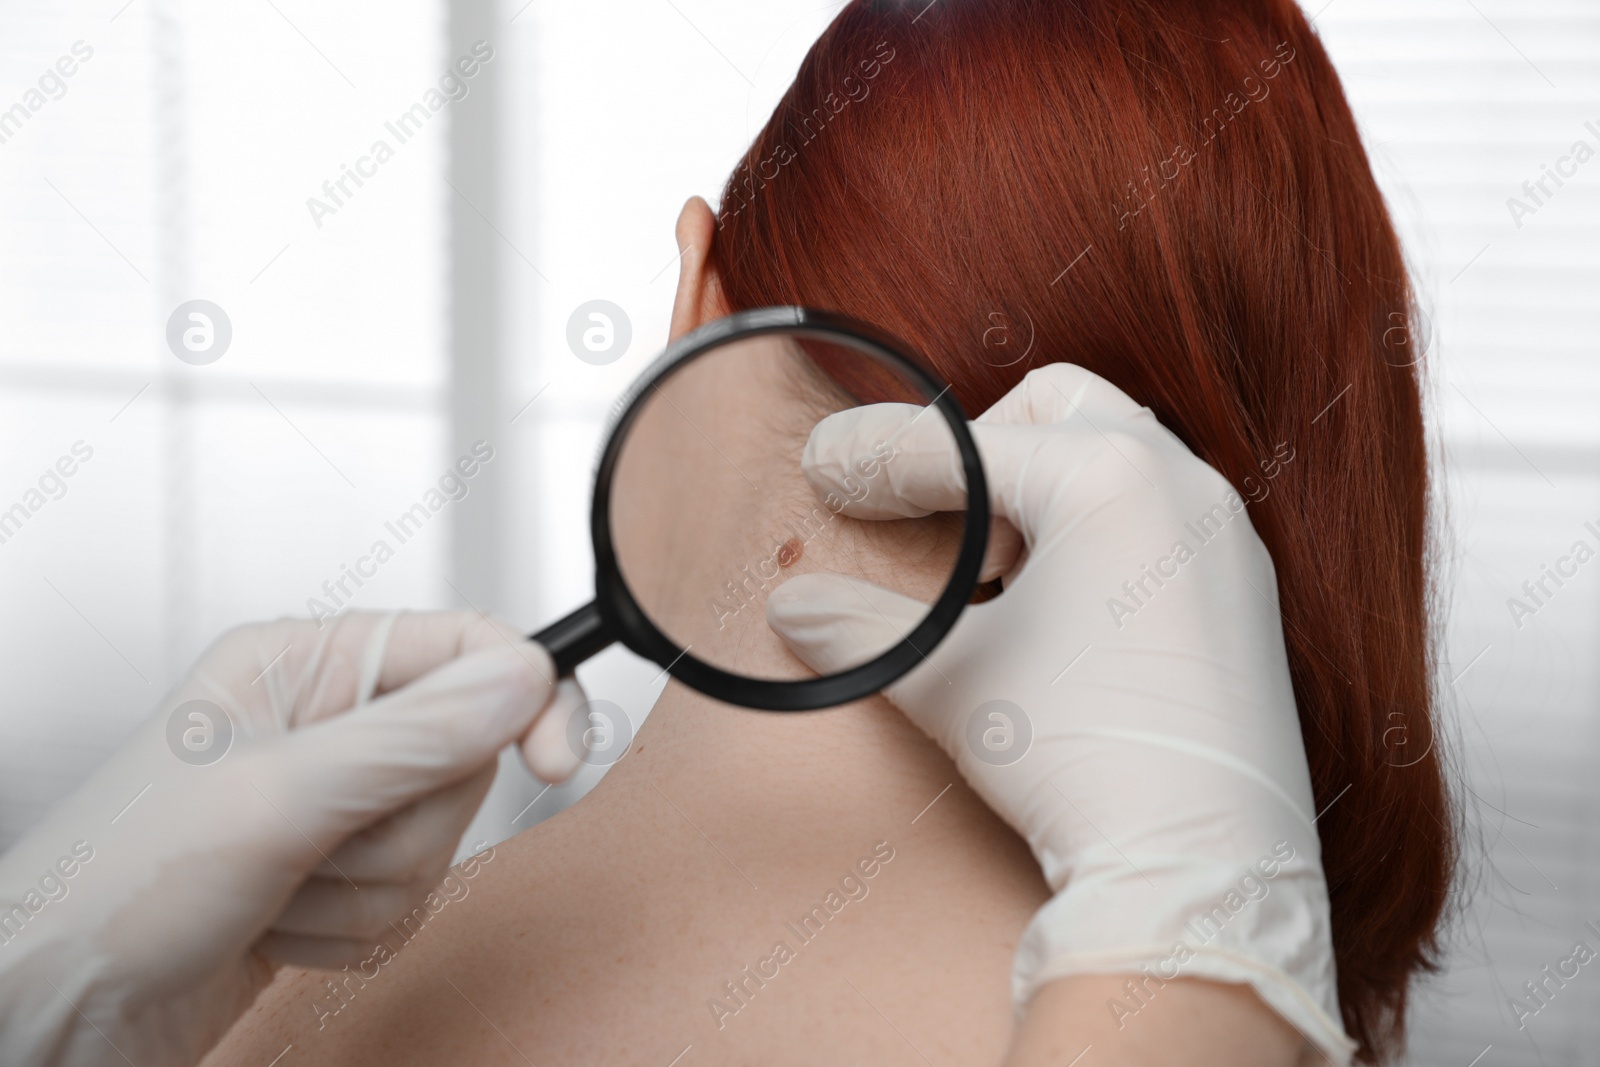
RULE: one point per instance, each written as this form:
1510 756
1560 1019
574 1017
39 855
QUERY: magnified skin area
709 514
791 552
693 874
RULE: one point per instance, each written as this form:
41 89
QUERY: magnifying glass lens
711 511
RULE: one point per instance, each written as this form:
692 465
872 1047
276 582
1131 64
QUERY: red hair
1173 195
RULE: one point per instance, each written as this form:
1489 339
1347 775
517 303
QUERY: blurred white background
374 344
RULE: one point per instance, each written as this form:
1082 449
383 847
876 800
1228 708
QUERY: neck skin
710 512
707 491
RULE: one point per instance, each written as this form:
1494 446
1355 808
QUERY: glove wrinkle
372 658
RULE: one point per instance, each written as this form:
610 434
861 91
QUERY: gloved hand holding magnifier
660 587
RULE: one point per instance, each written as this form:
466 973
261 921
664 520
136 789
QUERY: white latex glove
158 899
1165 791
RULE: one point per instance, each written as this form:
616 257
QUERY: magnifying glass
696 518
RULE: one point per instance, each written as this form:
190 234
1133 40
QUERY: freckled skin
791 551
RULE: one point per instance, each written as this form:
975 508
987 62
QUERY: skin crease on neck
741 886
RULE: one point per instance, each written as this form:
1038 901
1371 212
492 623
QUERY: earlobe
699 298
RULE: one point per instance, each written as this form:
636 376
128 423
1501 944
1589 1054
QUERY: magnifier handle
574 638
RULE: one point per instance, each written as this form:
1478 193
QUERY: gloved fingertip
849 451
509 683
1004 550
546 749
832 623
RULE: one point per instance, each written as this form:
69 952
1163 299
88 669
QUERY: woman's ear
699 298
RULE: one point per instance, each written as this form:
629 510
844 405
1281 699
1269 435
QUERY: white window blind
174 164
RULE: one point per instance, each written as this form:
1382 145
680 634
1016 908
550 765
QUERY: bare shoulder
808 890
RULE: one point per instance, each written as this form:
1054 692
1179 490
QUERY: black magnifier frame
614 615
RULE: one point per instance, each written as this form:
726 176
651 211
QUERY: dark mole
790 551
